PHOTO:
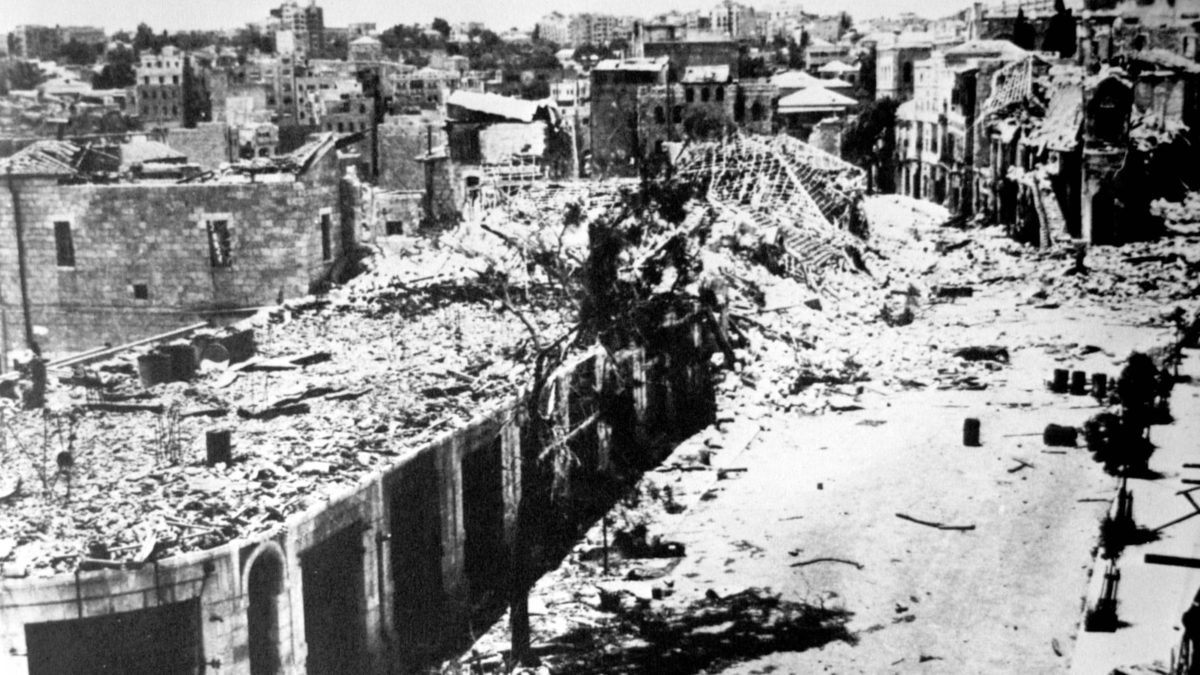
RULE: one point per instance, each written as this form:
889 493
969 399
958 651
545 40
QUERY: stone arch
263 582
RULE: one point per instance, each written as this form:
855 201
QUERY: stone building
616 147
366 49
106 257
638 106
160 88
895 66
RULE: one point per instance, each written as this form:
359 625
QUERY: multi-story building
829 28
638 106
598 29
735 20
938 137
306 24
895 65
554 27
366 48
160 88
820 53
43 42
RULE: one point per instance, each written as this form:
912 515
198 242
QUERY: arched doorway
264 587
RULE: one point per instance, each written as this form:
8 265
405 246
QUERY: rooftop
700 74
337 389
494 104
796 79
656 64
837 67
44 158
814 99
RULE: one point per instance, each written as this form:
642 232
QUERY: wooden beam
1174 560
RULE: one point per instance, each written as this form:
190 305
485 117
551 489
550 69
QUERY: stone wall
142 258
382 570
208 145
403 138
614 126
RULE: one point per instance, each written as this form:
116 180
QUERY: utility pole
22 264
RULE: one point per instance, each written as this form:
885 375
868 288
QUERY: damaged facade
92 255
370 513
1074 144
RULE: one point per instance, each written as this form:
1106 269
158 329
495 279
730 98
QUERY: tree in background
79 54
197 106
749 68
19 74
251 39
442 26
864 90
118 71
870 142
145 40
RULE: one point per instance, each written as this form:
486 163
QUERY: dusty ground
1005 596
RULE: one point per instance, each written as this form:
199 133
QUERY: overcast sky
498 14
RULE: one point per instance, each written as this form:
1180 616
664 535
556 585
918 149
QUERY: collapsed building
1045 147
335 484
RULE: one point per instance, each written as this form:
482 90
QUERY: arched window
705 95
720 94
756 112
689 95
660 117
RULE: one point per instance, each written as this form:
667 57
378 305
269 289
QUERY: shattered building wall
112 263
499 142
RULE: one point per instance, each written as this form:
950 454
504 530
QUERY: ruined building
89 255
335 485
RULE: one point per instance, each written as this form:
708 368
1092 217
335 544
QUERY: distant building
366 48
638 106
895 69
735 20
820 53
598 29
159 88
44 42
704 49
306 25
555 27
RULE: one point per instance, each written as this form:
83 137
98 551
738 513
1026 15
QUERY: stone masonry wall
207 145
130 238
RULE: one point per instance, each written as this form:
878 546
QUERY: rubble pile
112 471
1182 217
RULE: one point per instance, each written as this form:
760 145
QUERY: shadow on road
709 634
